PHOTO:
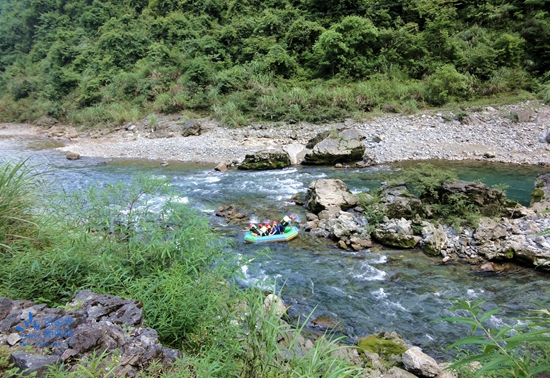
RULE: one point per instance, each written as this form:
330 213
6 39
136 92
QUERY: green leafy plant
424 180
373 209
520 351
98 365
501 186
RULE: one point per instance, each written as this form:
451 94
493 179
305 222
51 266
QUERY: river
366 292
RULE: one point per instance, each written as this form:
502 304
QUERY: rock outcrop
399 202
523 237
485 199
92 323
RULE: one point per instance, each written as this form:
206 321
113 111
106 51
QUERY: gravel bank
511 134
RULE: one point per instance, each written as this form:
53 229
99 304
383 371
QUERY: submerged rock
72 156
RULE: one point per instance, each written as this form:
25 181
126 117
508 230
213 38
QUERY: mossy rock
264 160
537 195
395 240
388 346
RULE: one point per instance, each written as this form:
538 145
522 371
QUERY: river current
364 292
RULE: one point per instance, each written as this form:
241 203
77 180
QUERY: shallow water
366 292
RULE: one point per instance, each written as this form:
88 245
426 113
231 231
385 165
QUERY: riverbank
508 134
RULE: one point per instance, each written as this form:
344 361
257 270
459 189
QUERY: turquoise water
364 292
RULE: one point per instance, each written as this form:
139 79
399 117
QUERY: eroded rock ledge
92 323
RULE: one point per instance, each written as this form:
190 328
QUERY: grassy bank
311 101
120 240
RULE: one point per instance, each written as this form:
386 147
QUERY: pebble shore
509 134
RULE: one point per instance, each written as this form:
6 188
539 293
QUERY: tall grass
19 189
110 115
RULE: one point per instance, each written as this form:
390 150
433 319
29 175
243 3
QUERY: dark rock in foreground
93 323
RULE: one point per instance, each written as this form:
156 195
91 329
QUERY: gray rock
93 322
346 147
28 363
396 372
420 364
434 239
13 339
316 139
489 229
109 308
326 193
399 202
191 128
396 233
222 167
296 152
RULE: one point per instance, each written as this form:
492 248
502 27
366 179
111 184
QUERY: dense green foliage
136 240
91 61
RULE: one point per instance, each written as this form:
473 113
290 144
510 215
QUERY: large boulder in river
399 202
326 193
487 200
266 159
346 146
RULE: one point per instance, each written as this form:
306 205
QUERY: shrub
424 180
522 351
447 84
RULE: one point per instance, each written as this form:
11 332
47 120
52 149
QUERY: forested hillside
91 61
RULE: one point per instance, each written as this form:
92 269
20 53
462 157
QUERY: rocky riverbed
510 134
